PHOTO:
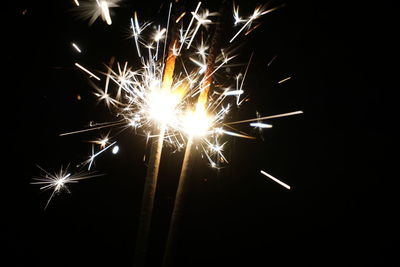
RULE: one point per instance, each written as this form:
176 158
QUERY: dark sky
336 156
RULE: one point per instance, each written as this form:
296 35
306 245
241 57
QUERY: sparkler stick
185 169
153 168
148 200
178 206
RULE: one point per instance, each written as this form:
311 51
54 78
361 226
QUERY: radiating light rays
142 98
59 181
137 30
93 9
258 12
105 12
202 20
90 161
184 36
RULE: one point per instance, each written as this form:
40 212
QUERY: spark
272 60
76 2
101 126
168 19
92 157
87 71
115 150
59 181
275 179
201 21
236 16
260 125
284 80
268 117
76 48
258 12
180 17
234 92
190 24
159 34
105 12
92 10
102 142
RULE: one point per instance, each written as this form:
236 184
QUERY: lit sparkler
178 108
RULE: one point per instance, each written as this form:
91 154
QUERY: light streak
234 92
258 12
275 180
76 48
268 117
187 30
105 11
76 2
91 159
106 125
272 60
87 71
260 125
284 80
92 10
180 17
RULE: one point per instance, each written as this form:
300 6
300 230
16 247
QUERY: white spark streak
258 12
284 80
105 11
76 48
187 30
87 71
260 125
268 117
234 92
94 155
276 180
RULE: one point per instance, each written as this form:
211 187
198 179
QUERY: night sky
337 156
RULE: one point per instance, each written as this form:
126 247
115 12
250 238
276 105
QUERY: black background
337 156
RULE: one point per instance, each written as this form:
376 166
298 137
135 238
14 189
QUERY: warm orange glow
169 70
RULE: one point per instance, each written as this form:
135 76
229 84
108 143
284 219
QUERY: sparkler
170 100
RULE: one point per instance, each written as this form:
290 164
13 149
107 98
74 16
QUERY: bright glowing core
162 106
196 123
